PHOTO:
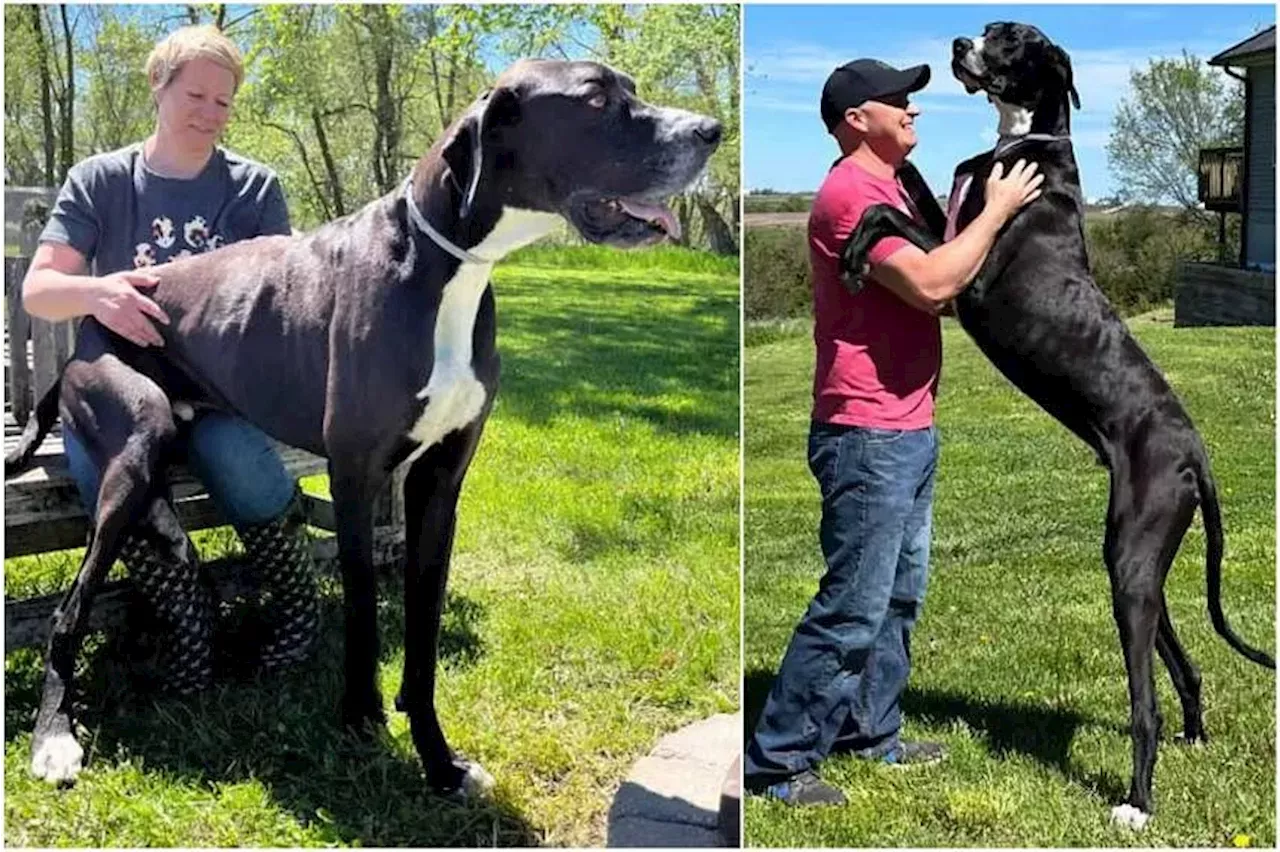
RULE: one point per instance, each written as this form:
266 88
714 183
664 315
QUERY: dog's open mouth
972 82
624 221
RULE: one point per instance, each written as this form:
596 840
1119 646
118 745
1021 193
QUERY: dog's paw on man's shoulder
855 281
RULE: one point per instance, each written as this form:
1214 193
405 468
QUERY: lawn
1017 667
593 606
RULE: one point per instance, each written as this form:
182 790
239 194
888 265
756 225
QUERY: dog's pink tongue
653 213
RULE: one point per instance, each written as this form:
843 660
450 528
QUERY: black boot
280 550
183 605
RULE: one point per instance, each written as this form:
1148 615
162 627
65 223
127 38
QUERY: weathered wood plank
48 346
26 622
43 510
18 331
56 529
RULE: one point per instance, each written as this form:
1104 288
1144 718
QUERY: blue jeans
843 674
232 457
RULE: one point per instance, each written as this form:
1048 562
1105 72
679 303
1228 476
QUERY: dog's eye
598 100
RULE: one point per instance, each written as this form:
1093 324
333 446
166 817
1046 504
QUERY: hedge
1133 256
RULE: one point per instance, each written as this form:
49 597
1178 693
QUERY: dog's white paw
1130 817
184 411
57 759
477 783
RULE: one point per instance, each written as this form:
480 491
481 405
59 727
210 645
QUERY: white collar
436 237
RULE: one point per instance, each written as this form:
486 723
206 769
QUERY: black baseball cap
862 80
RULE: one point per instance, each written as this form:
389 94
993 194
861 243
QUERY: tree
1175 108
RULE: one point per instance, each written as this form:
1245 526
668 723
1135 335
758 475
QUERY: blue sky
791 49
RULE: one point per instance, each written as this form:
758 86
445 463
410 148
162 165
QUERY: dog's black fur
1036 312
326 341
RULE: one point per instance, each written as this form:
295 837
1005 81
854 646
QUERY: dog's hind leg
128 477
1149 512
1186 679
431 498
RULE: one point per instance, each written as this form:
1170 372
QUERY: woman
174 194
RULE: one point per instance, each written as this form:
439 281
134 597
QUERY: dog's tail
38 426
1213 540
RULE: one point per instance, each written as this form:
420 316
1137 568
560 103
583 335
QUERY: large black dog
1036 312
369 341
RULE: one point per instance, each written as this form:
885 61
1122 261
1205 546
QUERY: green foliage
1134 254
776 284
1175 108
593 607
1015 661
118 107
342 100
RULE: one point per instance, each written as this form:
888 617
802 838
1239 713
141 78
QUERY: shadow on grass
283 732
609 348
1043 734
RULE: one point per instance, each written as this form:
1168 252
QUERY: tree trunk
68 103
387 130
46 98
719 237
330 167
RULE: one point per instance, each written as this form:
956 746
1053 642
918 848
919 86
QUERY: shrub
1134 254
776 273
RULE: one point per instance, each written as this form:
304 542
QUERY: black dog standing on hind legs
383 324
1035 311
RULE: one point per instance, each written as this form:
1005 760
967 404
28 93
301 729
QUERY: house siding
1260 221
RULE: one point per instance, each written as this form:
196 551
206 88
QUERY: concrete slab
673 797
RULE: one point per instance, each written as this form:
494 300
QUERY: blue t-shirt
117 212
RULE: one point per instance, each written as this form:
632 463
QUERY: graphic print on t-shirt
164 236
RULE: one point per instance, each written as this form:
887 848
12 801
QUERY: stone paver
672 797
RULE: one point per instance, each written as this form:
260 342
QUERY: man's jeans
232 457
846 667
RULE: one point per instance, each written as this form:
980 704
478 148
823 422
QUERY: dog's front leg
354 487
431 498
879 221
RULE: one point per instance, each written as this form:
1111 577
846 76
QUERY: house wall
1260 219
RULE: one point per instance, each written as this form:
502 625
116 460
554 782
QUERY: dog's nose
960 47
709 131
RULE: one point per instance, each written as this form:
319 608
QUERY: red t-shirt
878 357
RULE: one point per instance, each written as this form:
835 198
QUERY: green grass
1017 667
593 606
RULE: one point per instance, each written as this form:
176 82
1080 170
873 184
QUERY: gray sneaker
910 753
805 790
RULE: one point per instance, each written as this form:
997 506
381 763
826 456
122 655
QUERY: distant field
764 220
794 202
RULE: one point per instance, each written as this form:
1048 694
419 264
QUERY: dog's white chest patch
454 396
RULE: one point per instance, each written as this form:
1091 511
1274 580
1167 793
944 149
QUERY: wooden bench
42 507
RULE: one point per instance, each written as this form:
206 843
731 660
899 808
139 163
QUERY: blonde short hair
197 42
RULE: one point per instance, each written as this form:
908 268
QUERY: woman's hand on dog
118 304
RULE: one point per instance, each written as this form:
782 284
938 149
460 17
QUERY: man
872 445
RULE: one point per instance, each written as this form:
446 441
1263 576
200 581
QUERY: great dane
1036 312
369 341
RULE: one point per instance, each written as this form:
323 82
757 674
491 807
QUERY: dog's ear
465 149
1061 64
